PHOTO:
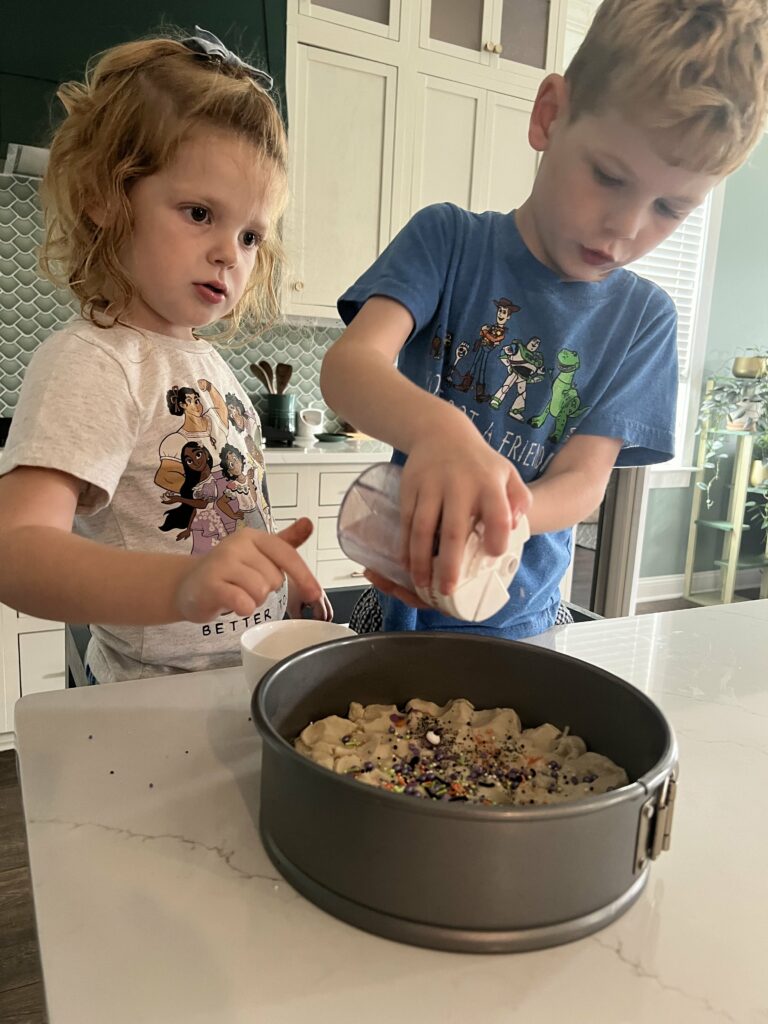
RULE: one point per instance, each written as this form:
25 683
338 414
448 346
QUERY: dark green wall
43 43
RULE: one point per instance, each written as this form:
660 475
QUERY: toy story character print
240 499
525 365
564 403
197 514
462 349
491 336
441 347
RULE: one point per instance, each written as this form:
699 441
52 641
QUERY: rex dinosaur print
564 402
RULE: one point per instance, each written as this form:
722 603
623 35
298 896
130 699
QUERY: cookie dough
456 753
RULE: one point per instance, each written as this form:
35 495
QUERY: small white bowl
264 645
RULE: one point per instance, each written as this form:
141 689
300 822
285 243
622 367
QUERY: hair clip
209 46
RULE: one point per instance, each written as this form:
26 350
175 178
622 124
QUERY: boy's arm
574 482
451 475
51 573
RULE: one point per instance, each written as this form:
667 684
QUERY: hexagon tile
31 308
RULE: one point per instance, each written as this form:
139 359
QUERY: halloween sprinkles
454 753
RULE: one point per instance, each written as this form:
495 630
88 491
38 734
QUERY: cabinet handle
298 286
357 572
490 47
498 48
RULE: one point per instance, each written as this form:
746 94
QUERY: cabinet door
381 17
508 160
523 31
343 124
449 125
41 661
458 28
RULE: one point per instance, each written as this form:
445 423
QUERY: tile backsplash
31 308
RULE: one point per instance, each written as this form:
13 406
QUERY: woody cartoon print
211 469
532 382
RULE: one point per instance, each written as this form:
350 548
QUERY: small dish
331 437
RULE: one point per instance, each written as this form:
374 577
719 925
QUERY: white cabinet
342 137
484 162
31 661
394 106
379 17
320 492
492 33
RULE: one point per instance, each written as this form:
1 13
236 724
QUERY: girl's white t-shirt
94 404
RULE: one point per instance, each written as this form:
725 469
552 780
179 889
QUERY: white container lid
483 586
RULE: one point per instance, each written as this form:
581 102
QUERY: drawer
326 534
283 489
340 572
333 487
41 661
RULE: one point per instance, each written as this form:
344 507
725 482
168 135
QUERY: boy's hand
239 574
450 483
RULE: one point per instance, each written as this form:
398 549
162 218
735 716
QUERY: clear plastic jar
369 533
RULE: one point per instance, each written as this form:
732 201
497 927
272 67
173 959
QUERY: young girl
165 185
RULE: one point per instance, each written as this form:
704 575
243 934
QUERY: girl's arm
218 402
51 573
452 475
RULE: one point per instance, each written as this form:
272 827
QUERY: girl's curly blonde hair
138 103
695 69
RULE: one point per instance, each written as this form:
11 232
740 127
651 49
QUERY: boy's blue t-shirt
531 359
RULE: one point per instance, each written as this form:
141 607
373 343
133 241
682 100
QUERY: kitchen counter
156 903
328 451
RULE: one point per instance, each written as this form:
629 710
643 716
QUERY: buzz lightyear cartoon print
491 336
525 366
211 482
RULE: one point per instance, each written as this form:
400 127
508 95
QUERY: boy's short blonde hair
138 103
695 69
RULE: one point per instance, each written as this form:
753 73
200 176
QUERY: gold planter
758 474
750 366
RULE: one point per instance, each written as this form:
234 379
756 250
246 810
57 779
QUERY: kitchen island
157 904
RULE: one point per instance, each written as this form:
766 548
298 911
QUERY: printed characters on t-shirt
462 349
441 347
564 402
491 336
216 484
208 426
240 499
197 514
525 365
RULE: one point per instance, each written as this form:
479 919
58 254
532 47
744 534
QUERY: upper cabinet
393 106
342 141
379 17
493 33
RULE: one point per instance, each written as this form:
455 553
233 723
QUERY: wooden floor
21 988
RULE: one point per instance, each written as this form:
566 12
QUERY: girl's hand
169 498
321 609
450 482
243 570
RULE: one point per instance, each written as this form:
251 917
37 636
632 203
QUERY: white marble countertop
328 452
156 903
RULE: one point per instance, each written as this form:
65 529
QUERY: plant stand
732 528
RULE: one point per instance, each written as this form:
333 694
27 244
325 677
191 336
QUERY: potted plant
737 403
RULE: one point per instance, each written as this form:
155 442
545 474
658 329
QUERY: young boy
561 364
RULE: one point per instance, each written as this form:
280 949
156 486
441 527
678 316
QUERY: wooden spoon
283 374
269 373
257 371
